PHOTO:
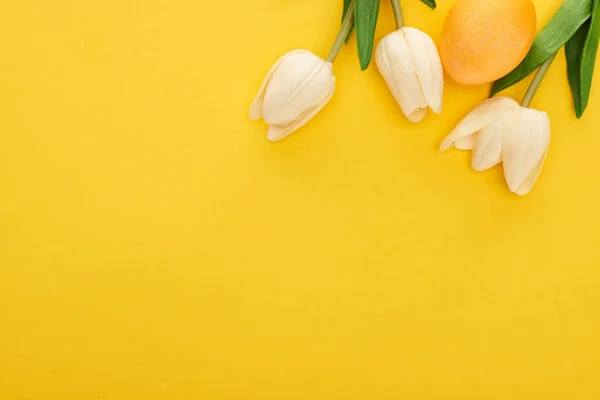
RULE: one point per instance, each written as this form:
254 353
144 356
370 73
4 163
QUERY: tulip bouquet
500 130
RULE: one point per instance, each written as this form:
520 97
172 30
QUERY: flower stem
398 13
342 35
537 81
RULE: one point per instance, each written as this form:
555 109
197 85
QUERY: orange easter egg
483 40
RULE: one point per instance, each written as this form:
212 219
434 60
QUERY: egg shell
483 40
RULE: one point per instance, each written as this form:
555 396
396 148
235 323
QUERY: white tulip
298 86
411 66
500 130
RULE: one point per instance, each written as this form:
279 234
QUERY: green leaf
366 13
588 58
581 53
346 6
573 53
430 3
563 25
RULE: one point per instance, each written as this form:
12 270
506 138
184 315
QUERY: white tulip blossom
410 64
298 86
500 130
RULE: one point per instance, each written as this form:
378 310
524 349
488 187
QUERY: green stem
537 81
398 13
344 31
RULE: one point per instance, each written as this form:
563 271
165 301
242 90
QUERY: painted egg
483 40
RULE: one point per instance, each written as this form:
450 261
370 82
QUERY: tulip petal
428 66
526 187
483 115
257 104
487 148
524 149
397 68
487 151
276 133
465 143
417 115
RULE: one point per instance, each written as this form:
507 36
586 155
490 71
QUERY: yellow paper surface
153 245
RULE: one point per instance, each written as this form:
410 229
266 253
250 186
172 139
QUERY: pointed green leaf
366 13
573 52
430 3
588 58
563 25
346 6
581 53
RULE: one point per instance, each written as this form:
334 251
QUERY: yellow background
153 245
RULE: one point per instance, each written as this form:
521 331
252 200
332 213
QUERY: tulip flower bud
298 86
500 130
411 67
